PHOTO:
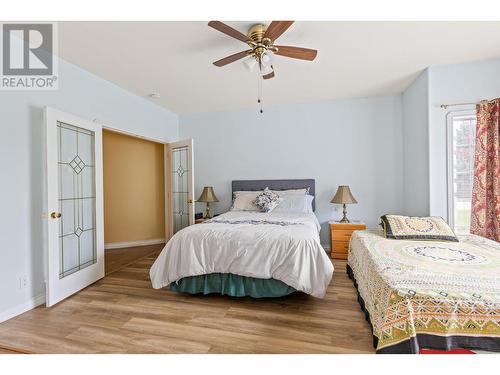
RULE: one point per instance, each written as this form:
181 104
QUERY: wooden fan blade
276 29
228 30
297 52
232 58
270 75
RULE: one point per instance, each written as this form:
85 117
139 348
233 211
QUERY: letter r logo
27 49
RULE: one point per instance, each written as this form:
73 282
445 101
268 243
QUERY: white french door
74 186
179 185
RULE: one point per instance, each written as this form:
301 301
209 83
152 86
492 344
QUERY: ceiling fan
261 39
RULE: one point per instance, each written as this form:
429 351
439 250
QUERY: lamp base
207 212
344 218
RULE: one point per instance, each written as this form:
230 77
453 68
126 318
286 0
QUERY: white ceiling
355 59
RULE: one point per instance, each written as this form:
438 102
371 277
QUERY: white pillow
293 203
292 191
243 201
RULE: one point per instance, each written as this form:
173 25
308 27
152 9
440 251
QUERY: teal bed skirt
232 285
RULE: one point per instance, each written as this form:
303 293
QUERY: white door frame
130 134
57 289
449 161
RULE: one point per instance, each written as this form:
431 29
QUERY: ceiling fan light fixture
266 58
266 69
250 62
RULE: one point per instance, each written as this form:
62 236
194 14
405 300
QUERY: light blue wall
415 147
461 83
21 163
354 142
424 135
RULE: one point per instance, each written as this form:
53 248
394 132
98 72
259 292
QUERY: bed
428 294
252 254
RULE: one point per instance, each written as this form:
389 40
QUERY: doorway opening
148 195
134 199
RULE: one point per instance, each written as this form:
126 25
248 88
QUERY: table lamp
344 196
207 196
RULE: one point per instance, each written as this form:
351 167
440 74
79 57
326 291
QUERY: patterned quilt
413 289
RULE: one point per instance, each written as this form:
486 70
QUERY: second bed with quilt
428 294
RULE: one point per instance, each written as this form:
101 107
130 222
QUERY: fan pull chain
259 94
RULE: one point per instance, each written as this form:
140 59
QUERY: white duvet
283 246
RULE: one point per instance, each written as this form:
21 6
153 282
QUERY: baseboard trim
22 308
120 245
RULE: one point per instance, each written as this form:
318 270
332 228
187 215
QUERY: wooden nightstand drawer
341 247
340 250
347 226
341 235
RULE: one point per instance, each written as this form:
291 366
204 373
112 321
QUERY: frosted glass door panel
180 188
77 204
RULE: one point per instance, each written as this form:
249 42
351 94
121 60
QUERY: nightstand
340 235
202 219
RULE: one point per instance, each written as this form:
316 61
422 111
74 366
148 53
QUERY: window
461 142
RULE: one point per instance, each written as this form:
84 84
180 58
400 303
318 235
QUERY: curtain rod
444 106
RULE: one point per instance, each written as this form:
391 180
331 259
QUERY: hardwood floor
123 314
116 259
6 350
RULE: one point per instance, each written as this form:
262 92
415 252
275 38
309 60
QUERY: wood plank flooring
116 259
123 314
6 350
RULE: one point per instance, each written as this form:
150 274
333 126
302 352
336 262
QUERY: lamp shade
343 196
208 195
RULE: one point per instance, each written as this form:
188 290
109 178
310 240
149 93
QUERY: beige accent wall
134 200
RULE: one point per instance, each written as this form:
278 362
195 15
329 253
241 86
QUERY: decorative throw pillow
417 228
267 200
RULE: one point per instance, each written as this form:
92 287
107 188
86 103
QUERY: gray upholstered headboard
251 185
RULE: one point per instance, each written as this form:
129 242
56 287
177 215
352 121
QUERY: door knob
190 201
55 215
